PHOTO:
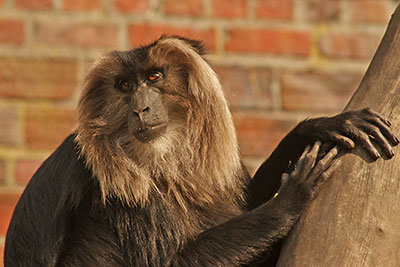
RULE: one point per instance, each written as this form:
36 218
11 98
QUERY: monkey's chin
150 133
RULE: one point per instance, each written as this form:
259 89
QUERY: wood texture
355 221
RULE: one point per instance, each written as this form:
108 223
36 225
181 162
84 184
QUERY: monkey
152 174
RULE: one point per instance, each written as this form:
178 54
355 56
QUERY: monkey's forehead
133 57
140 54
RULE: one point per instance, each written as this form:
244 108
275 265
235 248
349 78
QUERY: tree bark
355 220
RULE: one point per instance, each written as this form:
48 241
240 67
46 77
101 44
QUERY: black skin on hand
364 128
310 171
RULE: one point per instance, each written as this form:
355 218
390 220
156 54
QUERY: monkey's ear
198 46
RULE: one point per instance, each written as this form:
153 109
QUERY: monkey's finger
324 164
325 148
330 155
384 128
340 139
309 161
377 117
376 134
327 173
314 154
365 142
300 162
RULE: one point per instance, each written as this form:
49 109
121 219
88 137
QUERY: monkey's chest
117 235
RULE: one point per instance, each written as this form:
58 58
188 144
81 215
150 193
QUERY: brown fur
127 190
196 160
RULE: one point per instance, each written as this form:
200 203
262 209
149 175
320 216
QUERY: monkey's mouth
147 133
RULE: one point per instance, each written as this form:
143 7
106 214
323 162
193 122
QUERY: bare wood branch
355 219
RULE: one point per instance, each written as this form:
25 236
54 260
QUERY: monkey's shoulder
58 187
63 178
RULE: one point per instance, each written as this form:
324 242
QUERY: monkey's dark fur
152 176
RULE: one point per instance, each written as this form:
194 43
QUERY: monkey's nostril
138 112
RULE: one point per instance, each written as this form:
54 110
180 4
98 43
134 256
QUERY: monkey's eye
155 76
123 85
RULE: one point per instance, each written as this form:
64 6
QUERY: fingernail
350 145
391 154
388 122
396 139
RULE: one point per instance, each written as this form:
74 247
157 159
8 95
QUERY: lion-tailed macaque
152 176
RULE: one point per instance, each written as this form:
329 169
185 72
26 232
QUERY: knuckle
321 163
324 176
348 123
308 156
368 111
364 137
319 169
310 160
374 131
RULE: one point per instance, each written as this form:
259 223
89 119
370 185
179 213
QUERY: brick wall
279 61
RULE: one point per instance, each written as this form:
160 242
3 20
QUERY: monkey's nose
139 112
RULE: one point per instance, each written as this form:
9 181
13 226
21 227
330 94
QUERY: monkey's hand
362 127
308 174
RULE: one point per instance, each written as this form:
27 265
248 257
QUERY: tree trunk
355 220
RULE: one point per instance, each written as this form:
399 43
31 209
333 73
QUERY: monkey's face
153 93
143 91
156 117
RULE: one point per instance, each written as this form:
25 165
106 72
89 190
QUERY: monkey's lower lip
150 132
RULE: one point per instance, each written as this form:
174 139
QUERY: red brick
370 10
146 33
188 7
131 6
2 171
230 8
37 78
34 4
327 10
274 9
1 254
12 32
9 125
25 169
259 135
46 128
81 5
7 205
274 41
246 87
356 46
77 34
317 92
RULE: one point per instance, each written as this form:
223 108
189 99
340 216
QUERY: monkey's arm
41 218
241 239
360 127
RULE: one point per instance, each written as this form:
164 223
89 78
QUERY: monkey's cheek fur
149 133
